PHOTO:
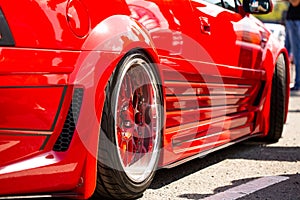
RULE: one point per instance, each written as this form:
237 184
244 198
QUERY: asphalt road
249 170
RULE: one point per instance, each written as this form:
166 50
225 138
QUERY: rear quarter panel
44 24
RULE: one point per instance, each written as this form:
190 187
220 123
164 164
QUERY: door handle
205 26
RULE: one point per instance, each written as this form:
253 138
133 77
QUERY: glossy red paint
215 65
78 18
29 108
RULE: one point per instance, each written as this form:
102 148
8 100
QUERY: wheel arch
269 65
103 49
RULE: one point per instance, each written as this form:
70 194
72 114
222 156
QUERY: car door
218 88
212 85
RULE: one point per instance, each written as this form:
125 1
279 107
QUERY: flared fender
105 46
269 63
118 33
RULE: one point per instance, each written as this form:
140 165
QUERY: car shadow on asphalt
294 111
249 150
295 94
166 176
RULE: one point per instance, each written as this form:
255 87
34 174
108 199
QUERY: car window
216 2
228 4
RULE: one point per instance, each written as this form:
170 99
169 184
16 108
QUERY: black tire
114 179
278 101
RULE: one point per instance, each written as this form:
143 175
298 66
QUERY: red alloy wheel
137 117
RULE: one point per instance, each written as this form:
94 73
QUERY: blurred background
278 14
275 22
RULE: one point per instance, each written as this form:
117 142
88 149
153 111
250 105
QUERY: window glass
228 4
216 2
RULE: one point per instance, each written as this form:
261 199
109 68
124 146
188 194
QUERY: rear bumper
41 86
36 96
46 172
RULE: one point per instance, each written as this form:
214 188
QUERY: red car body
215 65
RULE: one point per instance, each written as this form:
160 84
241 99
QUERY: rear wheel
278 101
130 138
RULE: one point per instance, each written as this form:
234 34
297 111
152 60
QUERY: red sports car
97 95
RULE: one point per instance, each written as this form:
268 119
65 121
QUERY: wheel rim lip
148 168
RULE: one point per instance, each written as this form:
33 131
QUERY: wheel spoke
136 111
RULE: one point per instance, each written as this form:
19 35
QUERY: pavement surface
246 171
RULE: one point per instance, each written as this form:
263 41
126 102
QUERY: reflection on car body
96 98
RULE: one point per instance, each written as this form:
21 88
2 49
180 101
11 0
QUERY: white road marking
248 188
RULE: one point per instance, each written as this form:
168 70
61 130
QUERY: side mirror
258 6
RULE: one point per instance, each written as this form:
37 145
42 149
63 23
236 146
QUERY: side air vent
259 95
6 38
63 142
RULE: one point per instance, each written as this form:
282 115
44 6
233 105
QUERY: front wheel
131 126
278 101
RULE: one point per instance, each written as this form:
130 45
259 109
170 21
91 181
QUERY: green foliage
278 13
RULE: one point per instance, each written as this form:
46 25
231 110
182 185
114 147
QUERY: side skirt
204 153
